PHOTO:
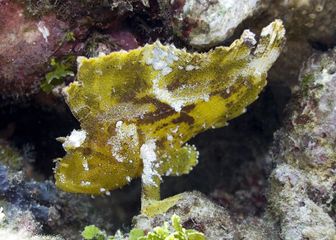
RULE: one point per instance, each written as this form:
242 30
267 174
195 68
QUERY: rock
203 24
308 19
21 225
309 136
294 53
300 217
31 35
25 49
98 43
49 209
196 212
303 184
309 26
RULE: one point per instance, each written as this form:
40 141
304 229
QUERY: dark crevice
34 131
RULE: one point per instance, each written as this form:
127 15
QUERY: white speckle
75 140
128 178
85 165
102 189
249 37
177 105
62 178
148 156
159 65
85 183
169 137
43 30
119 124
99 72
80 60
162 58
169 172
206 97
175 129
262 64
189 67
166 71
125 135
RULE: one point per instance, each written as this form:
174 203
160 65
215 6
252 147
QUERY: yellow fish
137 109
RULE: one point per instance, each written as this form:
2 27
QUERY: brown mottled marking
162 111
184 117
188 108
87 151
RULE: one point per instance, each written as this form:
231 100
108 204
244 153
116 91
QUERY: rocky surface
41 208
303 183
306 19
197 212
32 33
309 27
25 49
203 24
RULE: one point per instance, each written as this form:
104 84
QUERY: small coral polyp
139 108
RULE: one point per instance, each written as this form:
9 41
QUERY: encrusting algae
137 109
